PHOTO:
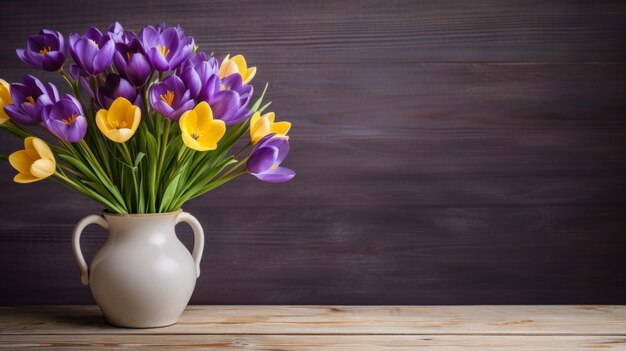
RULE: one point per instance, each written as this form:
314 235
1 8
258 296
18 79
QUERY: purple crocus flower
171 98
228 104
118 34
267 155
29 98
166 48
196 59
114 87
196 72
65 119
93 52
131 62
44 51
234 83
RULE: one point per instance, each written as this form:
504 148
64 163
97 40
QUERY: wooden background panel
447 153
349 31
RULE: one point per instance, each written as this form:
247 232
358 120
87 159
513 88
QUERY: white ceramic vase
143 276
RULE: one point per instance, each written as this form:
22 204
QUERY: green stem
166 134
16 129
133 170
95 160
233 168
181 162
94 195
100 171
242 150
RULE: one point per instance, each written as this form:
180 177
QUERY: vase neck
141 225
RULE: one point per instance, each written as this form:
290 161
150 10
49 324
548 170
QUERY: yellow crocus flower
120 122
199 130
261 126
5 99
34 163
237 64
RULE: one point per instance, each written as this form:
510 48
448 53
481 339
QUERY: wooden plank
336 320
355 31
314 342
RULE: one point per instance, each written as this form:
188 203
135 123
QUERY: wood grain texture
336 320
326 328
314 342
447 153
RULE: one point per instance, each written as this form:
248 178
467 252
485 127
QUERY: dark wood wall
448 152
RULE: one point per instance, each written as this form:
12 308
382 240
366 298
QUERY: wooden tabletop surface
327 328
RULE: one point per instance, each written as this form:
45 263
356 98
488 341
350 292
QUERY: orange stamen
70 120
164 50
168 97
30 100
45 51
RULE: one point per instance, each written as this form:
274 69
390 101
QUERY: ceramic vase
143 276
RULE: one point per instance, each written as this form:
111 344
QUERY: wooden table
327 328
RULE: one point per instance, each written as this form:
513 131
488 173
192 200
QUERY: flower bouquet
149 123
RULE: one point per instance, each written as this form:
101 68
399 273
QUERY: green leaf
205 179
151 148
264 107
138 159
259 100
79 165
169 194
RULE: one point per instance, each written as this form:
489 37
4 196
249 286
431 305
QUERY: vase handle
198 234
78 254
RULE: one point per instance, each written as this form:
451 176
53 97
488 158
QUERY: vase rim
110 214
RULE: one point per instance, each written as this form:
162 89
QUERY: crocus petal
277 175
259 127
76 132
249 75
158 60
22 56
120 135
192 80
212 134
101 121
175 115
138 69
23 178
282 143
43 150
5 100
262 160
104 57
224 105
53 61
21 161
19 117
281 128
117 111
42 168
149 36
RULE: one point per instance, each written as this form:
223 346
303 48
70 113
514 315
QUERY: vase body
143 276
